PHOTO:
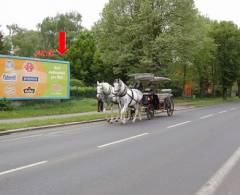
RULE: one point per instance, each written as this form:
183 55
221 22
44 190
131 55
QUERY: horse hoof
134 120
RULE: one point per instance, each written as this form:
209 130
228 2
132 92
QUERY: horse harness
105 94
131 96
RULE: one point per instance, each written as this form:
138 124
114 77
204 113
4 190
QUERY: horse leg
123 111
140 112
104 110
119 113
111 120
136 113
106 113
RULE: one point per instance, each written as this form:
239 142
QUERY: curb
7 132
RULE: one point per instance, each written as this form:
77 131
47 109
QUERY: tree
1 42
100 70
5 45
238 63
204 73
226 37
50 26
81 56
25 42
146 35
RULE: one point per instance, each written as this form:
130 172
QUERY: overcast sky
28 13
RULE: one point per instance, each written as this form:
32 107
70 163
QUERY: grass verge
46 108
37 123
200 102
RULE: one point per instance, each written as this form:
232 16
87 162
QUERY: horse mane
116 80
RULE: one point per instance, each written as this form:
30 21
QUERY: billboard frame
41 60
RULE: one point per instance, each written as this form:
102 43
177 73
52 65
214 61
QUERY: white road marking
19 138
123 140
56 133
179 124
211 186
23 167
233 109
206 116
221 112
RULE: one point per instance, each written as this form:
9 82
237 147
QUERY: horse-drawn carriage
154 101
142 97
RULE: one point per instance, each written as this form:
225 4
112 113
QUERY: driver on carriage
138 85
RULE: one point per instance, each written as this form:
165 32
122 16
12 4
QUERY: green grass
51 108
37 123
200 102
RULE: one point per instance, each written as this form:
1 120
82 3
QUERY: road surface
195 152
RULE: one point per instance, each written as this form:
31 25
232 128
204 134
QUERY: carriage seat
163 96
166 90
148 90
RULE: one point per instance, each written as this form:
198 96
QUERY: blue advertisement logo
9 77
30 79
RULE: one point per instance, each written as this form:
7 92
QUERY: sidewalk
19 120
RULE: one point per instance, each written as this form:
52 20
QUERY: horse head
119 87
99 90
103 90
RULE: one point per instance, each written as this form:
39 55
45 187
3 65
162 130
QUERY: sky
28 13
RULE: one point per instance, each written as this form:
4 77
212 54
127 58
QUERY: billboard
31 78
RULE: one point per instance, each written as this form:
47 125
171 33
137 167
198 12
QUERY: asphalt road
195 152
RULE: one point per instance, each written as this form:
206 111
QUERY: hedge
5 105
86 92
76 82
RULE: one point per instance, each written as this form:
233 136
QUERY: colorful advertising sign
30 78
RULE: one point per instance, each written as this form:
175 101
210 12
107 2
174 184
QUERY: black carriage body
151 101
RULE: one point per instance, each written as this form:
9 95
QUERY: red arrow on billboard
62 43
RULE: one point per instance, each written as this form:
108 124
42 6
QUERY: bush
76 82
5 105
83 92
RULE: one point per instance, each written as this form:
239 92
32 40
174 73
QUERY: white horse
106 95
128 98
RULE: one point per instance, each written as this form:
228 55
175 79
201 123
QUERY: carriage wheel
170 106
150 112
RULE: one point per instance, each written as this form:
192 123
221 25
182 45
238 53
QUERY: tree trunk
184 79
230 91
224 92
238 83
213 81
213 90
200 88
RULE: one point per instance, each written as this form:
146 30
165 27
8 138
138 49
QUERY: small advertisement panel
31 78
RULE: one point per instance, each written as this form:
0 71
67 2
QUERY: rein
122 94
119 93
103 92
